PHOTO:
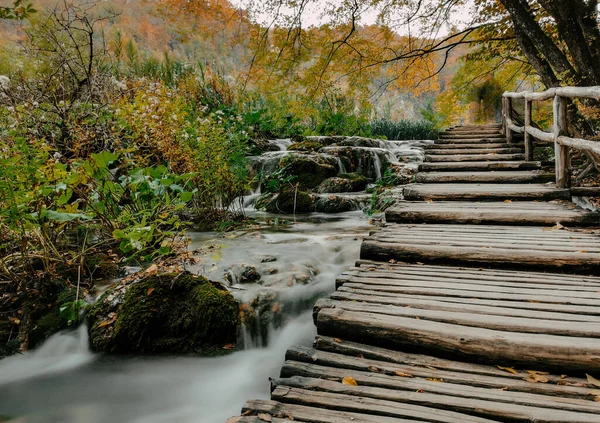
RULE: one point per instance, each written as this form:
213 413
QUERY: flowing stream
62 381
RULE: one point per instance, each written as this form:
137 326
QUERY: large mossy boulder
310 170
345 182
288 200
334 204
164 313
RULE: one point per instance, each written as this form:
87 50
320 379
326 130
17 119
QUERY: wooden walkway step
505 150
471 141
544 321
478 166
487 245
477 145
411 387
467 135
473 157
522 176
484 192
505 213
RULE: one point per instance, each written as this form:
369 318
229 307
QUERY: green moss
309 170
290 201
164 313
334 205
307 146
345 182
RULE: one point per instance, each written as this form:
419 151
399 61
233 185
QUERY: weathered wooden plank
414 276
489 177
507 323
478 166
367 405
484 345
576 310
470 272
461 374
447 292
452 391
505 150
473 157
457 192
471 406
519 213
303 413
442 304
564 293
471 136
462 146
538 244
482 140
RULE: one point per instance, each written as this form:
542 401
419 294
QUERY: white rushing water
64 382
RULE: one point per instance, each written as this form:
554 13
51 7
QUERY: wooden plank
366 405
311 414
468 146
577 310
481 272
382 289
478 192
440 369
482 140
480 275
434 304
478 166
535 244
484 345
518 213
461 318
486 177
471 136
498 282
485 408
552 295
474 157
507 150
507 257
452 391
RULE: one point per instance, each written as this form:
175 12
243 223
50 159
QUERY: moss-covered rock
310 170
288 200
258 146
175 313
345 182
306 146
334 204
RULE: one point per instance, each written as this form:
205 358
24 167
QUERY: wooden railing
559 135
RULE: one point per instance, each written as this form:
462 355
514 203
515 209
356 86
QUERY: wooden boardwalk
479 301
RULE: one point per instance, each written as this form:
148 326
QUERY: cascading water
64 382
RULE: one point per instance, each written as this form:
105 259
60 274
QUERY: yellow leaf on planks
349 381
508 369
592 380
403 374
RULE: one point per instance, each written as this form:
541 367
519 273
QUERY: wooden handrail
559 135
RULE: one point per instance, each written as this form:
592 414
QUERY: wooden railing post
562 153
508 118
528 141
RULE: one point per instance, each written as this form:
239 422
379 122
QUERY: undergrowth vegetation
108 155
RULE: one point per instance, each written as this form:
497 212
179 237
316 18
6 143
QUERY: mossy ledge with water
165 313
